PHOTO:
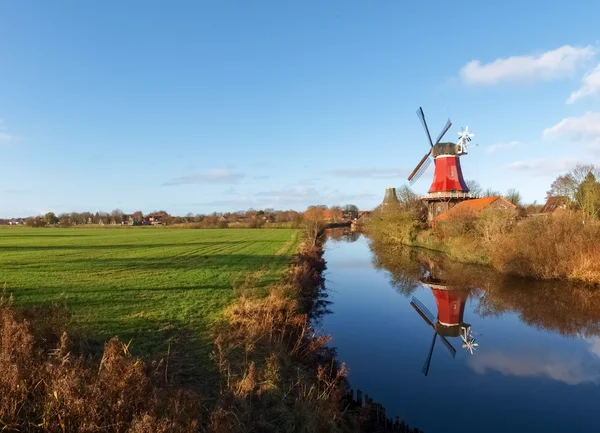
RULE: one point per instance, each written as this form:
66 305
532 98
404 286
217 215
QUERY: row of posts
378 416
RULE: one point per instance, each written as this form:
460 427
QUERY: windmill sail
446 128
425 368
420 164
420 171
423 311
450 348
422 119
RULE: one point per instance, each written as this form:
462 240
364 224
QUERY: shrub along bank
559 246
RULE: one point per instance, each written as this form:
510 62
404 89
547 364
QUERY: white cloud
590 85
211 176
566 369
584 128
543 167
550 65
502 145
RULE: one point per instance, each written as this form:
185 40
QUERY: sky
202 106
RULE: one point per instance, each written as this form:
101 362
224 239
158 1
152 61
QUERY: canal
536 366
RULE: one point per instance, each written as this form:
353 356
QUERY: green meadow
158 286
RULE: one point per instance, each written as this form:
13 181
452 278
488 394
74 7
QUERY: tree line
251 217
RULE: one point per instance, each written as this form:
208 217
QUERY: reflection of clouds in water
561 367
594 343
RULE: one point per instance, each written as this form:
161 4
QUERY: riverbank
562 246
274 372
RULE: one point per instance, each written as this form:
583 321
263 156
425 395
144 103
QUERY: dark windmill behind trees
448 186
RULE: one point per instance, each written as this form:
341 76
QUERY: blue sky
214 106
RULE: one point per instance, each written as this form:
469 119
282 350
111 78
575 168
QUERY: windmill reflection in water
449 322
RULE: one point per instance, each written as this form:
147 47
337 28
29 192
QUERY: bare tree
513 196
474 187
491 193
567 184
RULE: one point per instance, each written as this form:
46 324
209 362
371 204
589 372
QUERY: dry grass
48 384
558 246
277 372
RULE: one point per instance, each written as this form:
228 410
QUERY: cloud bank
590 86
551 65
586 127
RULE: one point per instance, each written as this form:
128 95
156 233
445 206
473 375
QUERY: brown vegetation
47 383
563 246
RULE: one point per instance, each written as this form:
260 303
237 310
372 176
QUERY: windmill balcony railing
447 194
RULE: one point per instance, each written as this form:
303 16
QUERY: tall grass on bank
276 371
559 246
47 383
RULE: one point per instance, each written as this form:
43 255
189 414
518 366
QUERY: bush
394 225
556 246
47 384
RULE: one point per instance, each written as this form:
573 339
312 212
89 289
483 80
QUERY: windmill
448 186
449 322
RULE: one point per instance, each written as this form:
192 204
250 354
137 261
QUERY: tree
50 218
513 196
587 196
567 184
350 211
409 200
117 216
314 222
64 219
336 213
563 185
138 216
491 193
474 187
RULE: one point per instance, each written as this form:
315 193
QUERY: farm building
556 203
476 206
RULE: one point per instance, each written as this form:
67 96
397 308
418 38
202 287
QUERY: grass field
150 284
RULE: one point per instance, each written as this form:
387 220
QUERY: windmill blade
423 311
425 368
421 162
446 128
420 172
422 119
450 348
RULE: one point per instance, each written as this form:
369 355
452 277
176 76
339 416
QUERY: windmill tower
390 198
448 186
450 318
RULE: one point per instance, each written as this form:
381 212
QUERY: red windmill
450 318
448 186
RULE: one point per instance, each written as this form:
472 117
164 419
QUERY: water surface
537 366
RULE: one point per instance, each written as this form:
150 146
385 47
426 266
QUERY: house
556 203
155 218
476 206
16 221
